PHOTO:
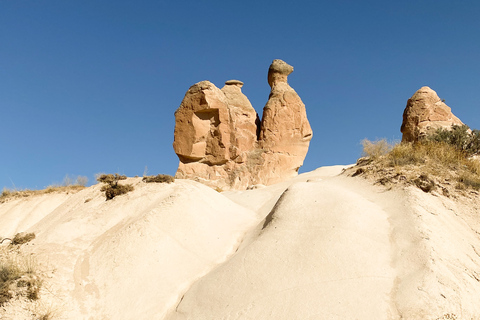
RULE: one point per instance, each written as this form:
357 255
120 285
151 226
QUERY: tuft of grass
112 188
159 178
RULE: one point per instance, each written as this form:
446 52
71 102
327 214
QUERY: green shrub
460 137
159 178
112 188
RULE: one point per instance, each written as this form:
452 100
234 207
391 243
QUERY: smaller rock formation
221 143
424 114
214 131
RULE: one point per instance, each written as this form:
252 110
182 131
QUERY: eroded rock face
285 132
424 114
243 120
214 129
221 142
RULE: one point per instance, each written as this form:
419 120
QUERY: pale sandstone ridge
424 114
220 141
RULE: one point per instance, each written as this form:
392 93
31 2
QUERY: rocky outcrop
214 129
424 114
220 141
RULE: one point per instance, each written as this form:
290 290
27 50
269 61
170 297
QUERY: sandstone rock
243 120
424 114
220 142
202 131
285 131
214 130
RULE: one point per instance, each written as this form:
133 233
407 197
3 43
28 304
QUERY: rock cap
281 67
234 83
278 72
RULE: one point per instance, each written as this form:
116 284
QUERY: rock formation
221 142
424 114
285 132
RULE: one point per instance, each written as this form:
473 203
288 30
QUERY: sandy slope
320 246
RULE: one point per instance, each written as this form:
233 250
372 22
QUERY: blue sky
92 86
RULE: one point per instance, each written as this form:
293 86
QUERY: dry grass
429 165
18 275
375 149
8 194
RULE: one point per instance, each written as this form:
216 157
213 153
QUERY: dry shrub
22 237
159 178
112 187
376 148
111 191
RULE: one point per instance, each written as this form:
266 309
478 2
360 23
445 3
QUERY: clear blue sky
92 86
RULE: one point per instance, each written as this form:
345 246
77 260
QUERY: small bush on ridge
112 187
159 178
21 238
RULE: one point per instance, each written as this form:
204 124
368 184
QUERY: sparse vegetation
18 273
439 162
159 178
461 137
78 181
8 194
112 188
